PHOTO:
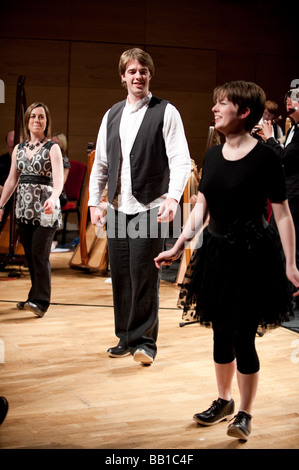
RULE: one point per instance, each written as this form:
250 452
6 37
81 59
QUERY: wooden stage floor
66 393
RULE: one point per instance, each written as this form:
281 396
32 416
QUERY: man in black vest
143 157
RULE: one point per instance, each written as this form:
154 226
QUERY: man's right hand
97 216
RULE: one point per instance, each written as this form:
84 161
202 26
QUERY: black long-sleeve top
289 156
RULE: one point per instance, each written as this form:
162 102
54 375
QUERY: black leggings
236 341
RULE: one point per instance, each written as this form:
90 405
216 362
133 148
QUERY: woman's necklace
32 146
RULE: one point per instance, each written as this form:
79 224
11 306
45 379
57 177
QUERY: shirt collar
143 102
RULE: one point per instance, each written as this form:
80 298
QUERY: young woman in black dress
239 278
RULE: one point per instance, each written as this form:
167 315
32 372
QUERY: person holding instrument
238 280
271 113
289 155
37 171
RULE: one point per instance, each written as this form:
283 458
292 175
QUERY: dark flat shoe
3 409
118 351
220 410
241 426
31 307
140 355
21 305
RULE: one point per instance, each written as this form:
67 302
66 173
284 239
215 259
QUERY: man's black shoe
218 411
140 355
31 307
118 351
21 305
3 409
241 426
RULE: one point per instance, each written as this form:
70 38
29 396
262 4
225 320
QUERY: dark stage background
69 50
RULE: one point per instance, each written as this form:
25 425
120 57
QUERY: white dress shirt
176 149
290 136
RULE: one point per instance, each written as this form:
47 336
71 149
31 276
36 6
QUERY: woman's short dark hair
244 95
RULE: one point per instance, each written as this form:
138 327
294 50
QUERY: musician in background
289 155
5 160
143 154
37 173
271 113
61 140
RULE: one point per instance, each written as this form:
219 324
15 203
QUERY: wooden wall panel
44 63
219 24
236 66
95 65
45 66
70 55
94 87
47 20
183 69
275 73
7 115
87 108
186 77
109 22
195 110
91 20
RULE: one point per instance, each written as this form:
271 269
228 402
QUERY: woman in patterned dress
238 278
37 173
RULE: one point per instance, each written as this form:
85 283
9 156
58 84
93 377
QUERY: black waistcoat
148 159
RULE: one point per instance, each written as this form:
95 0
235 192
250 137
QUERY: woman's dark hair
244 95
27 117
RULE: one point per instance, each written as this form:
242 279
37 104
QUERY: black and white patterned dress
35 187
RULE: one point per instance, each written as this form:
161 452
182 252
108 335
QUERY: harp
190 190
91 253
11 249
191 187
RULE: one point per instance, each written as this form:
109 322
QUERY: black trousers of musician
37 242
133 243
294 208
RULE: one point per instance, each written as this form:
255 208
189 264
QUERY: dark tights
236 341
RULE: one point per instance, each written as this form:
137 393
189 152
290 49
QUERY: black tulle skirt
239 274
